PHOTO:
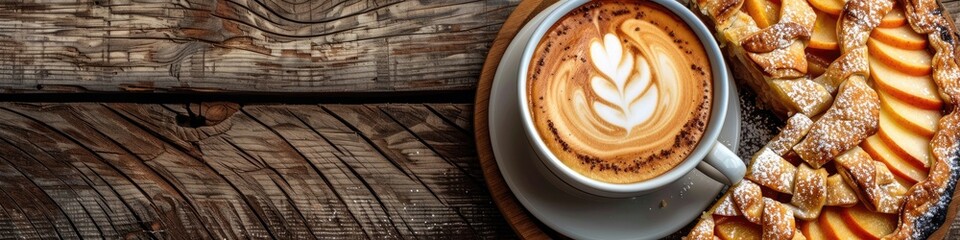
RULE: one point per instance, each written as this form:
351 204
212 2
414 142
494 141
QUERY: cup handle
723 165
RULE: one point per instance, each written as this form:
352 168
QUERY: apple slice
833 225
824 32
912 62
737 228
812 230
902 37
833 7
908 171
894 18
918 120
868 224
916 90
906 144
764 12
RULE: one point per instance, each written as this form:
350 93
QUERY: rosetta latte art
620 90
624 83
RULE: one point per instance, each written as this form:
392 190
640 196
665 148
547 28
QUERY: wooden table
245 118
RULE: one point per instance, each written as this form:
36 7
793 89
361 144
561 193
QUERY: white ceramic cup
710 157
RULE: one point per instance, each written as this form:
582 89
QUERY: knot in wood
207 114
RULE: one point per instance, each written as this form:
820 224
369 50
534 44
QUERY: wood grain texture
89 170
253 46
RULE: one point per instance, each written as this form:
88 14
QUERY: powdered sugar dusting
852 62
838 193
798 11
703 229
787 62
770 170
797 127
858 19
853 117
747 197
726 207
809 192
778 221
873 179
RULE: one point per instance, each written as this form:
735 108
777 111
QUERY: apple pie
869 91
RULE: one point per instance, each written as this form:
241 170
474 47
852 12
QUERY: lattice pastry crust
823 157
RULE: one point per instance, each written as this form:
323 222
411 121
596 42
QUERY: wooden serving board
756 127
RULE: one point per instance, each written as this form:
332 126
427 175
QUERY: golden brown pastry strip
779 35
945 67
770 170
809 192
797 126
726 206
852 62
871 180
747 197
720 10
782 63
853 117
802 95
858 19
703 229
778 221
839 193
799 12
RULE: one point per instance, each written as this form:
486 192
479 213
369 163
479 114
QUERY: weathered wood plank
220 170
86 212
126 184
443 166
413 171
245 45
460 116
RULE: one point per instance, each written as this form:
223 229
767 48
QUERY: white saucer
574 213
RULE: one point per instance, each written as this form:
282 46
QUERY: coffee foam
620 91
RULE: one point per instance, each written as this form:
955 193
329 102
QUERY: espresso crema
620 91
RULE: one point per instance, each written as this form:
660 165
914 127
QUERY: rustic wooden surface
269 171
245 45
227 170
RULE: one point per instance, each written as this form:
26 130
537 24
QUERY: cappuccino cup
619 98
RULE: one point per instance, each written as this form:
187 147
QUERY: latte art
623 82
620 90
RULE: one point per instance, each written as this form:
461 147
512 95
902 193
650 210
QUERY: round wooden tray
757 126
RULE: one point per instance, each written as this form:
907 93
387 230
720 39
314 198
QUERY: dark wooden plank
245 45
952 6
406 166
221 170
307 131
447 170
87 212
460 116
127 185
